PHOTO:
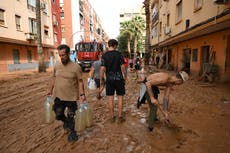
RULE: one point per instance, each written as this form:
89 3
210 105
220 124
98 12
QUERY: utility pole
41 63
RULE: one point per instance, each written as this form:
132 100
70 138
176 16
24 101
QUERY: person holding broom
150 91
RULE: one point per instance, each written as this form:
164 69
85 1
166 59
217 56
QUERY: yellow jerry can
48 113
80 119
89 115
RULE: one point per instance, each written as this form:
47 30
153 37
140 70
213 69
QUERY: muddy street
200 113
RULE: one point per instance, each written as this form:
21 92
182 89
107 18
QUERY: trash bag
91 84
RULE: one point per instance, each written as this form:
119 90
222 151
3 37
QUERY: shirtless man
167 80
151 84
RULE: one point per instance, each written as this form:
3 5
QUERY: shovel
166 116
168 120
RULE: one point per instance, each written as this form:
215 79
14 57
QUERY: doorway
205 54
186 58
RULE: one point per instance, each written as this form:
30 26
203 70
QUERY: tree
127 31
41 62
122 43
138 27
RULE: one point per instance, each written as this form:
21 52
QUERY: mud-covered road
200 113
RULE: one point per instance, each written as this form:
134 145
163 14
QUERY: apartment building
57 35
128 14
193 34
79 22
56 22
18 49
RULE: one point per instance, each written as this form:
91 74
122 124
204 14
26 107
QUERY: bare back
158 79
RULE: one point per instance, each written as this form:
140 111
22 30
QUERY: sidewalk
14 74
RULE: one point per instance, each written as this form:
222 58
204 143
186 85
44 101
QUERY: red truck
87 53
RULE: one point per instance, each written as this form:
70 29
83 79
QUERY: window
2 17
160 31
197 5
62 29
81 6
168 19
17 21
44 7
55 37
81 21
33 25
154 32
31 4
29 56
62 15
46 31
194 55
179 11
16 56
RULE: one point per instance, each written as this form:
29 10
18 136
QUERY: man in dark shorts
112 65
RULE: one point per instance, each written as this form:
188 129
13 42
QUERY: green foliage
122 39
131 30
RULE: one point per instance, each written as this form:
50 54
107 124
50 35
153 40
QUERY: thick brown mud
199 113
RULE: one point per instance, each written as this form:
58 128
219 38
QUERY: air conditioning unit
220 1
167 30
29 36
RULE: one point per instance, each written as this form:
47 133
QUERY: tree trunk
41 63
147 40
128 44
135 44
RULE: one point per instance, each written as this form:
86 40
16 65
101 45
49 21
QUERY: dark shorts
137 67
131 65
115 85
60 105
97 82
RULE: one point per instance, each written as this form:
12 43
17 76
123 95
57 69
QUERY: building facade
193 35
56 22
79 22
57 35
18 49
62 22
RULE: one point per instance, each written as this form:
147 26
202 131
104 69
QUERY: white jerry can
48 113
80 119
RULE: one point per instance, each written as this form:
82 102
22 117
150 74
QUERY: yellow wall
217 42
6 57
